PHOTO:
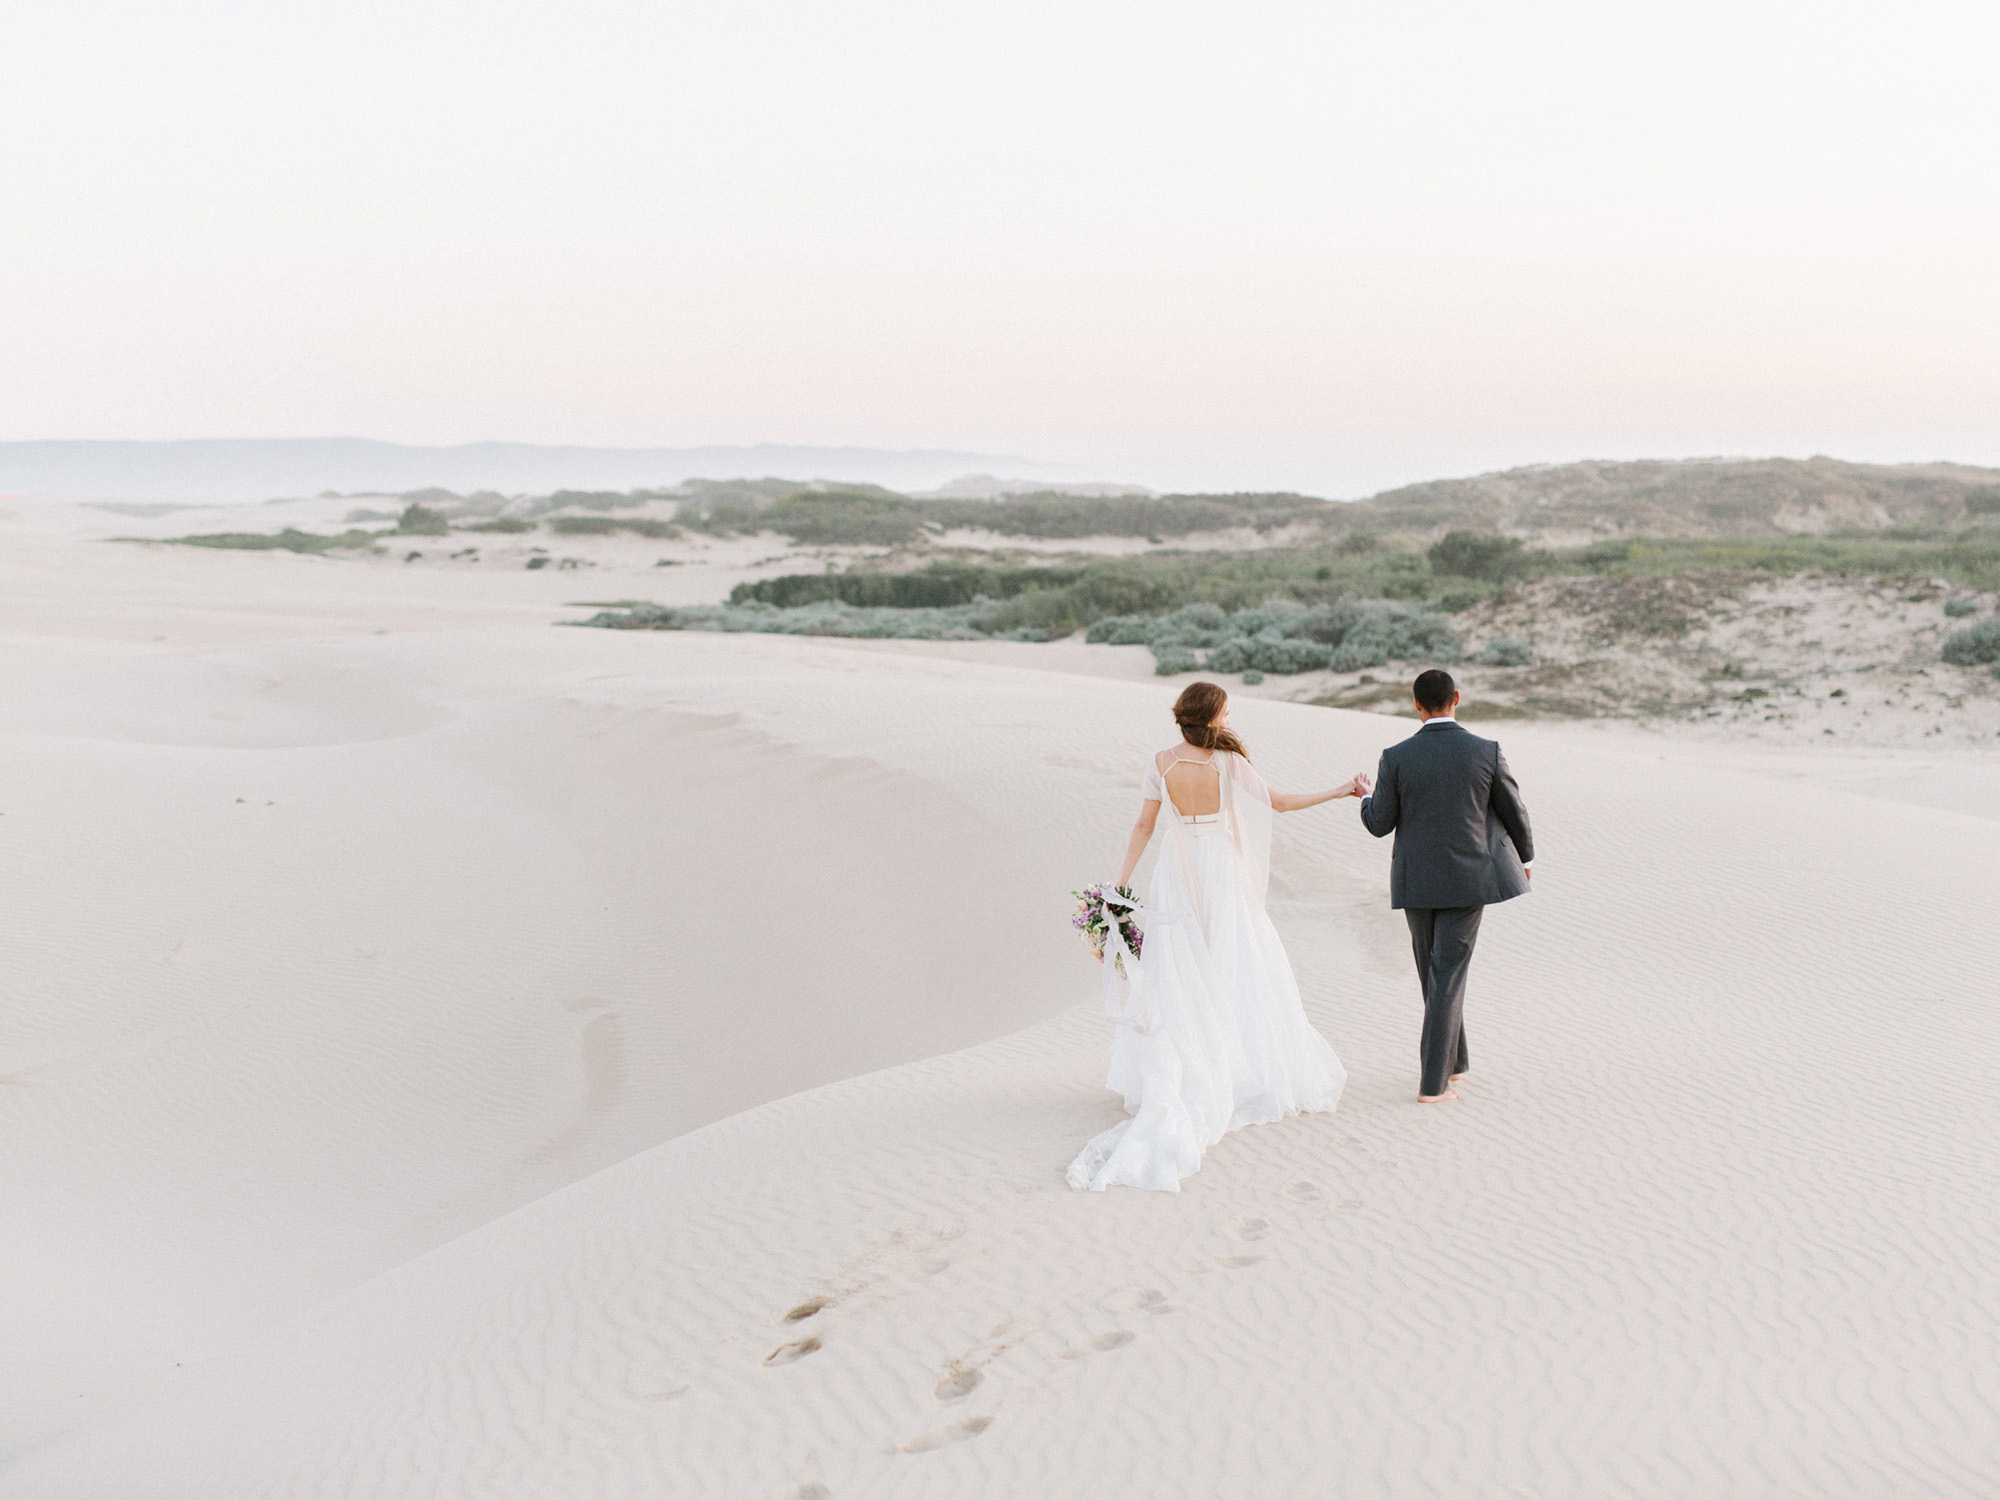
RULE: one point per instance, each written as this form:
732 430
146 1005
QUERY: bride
1211 1035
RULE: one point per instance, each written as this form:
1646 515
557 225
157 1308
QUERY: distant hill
1548 504
986 487
265 469
1684 497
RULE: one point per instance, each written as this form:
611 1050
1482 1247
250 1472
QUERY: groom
1462 843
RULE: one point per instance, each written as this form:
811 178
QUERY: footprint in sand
1303 1192
958 1383
1143 1299
1104 1343
1250 1229
957 1432
785 1354
809 1490
806 1309
1237 1262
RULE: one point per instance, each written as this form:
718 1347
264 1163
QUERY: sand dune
599 1064
401 948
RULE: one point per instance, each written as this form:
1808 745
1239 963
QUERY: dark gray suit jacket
1461 828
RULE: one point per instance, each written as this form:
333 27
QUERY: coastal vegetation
288 540
607 525
1281 637
1350 606
1280 583
421 520
1975 645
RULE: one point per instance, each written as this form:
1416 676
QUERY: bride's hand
1360 786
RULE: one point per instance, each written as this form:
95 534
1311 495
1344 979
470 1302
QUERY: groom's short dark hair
1434 689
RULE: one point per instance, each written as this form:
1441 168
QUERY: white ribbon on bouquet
1124 993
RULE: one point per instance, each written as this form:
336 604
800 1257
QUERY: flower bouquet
1102 911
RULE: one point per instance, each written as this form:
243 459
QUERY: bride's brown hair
1196 710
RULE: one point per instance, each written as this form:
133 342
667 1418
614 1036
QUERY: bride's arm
1142 835
1293 801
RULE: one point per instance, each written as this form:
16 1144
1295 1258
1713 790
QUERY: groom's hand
1362 785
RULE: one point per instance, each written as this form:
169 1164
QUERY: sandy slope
327 951
314 1091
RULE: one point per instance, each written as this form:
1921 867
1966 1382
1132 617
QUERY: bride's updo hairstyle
1196 710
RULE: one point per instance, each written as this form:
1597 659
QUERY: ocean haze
271 468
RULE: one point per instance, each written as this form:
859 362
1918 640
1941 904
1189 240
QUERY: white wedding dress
1210 1033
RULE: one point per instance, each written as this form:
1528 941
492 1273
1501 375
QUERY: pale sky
1323 246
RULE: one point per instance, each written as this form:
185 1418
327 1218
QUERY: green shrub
1358 657
1957 609
1144 587
722 519
1369 632
1975 644
831 518
1507 652
1047 613
1230 656
829 618
1054 516
1479 554
1105 631
1273 617
1195 626
1252 677
1281 637
421 520
1175 659
1983 501
1282 657
1454 595
1120 630
508 525
606 525
288 540
938 585
1600 555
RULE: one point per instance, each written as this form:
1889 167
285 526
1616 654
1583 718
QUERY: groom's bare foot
1437 1098
1456 1077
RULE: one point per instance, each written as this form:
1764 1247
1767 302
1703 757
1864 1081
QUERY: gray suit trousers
1442 938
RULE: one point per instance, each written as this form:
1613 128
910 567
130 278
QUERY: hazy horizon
264 469
1316 248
